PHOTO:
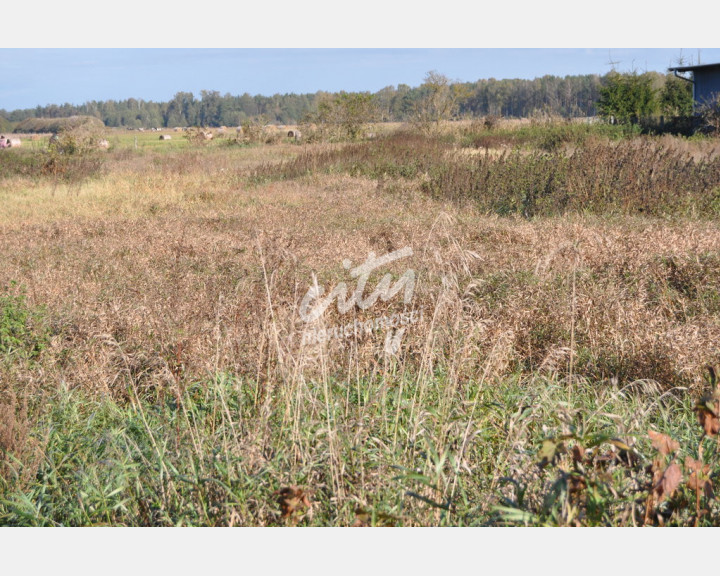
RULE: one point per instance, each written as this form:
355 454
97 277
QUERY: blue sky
75 51
32 76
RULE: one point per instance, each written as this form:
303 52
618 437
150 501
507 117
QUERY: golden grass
173 269
180 251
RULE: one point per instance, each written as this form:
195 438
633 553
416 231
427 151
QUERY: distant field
159 365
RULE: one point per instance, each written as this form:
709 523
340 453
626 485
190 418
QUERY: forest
567 97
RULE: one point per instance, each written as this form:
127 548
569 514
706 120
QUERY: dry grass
153 264
171 269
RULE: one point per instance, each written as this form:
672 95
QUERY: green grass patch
401 452
23 330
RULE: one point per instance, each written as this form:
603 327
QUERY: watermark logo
315 302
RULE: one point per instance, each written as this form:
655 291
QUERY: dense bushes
628 177
569 170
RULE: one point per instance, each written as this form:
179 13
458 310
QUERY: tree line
569 96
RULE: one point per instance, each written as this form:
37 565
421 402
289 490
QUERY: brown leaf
707 413
663 443
700 485
669 482
578 453
293 502
576 485
696 465
699 476
708 407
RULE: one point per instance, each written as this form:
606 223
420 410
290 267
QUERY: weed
614 478
23 331
635 176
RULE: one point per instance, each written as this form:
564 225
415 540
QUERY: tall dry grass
171 272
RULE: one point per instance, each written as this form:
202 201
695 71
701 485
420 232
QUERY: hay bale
294 134
103 144
165 137
55 125
13 142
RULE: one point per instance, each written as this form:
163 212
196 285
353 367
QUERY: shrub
75 154
710 115
22 163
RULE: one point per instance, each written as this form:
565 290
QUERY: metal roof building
705 81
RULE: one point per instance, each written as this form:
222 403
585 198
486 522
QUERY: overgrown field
547 365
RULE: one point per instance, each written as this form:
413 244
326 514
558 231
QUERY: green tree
4 122
676 97
402 103
209 109
248 105
628 97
